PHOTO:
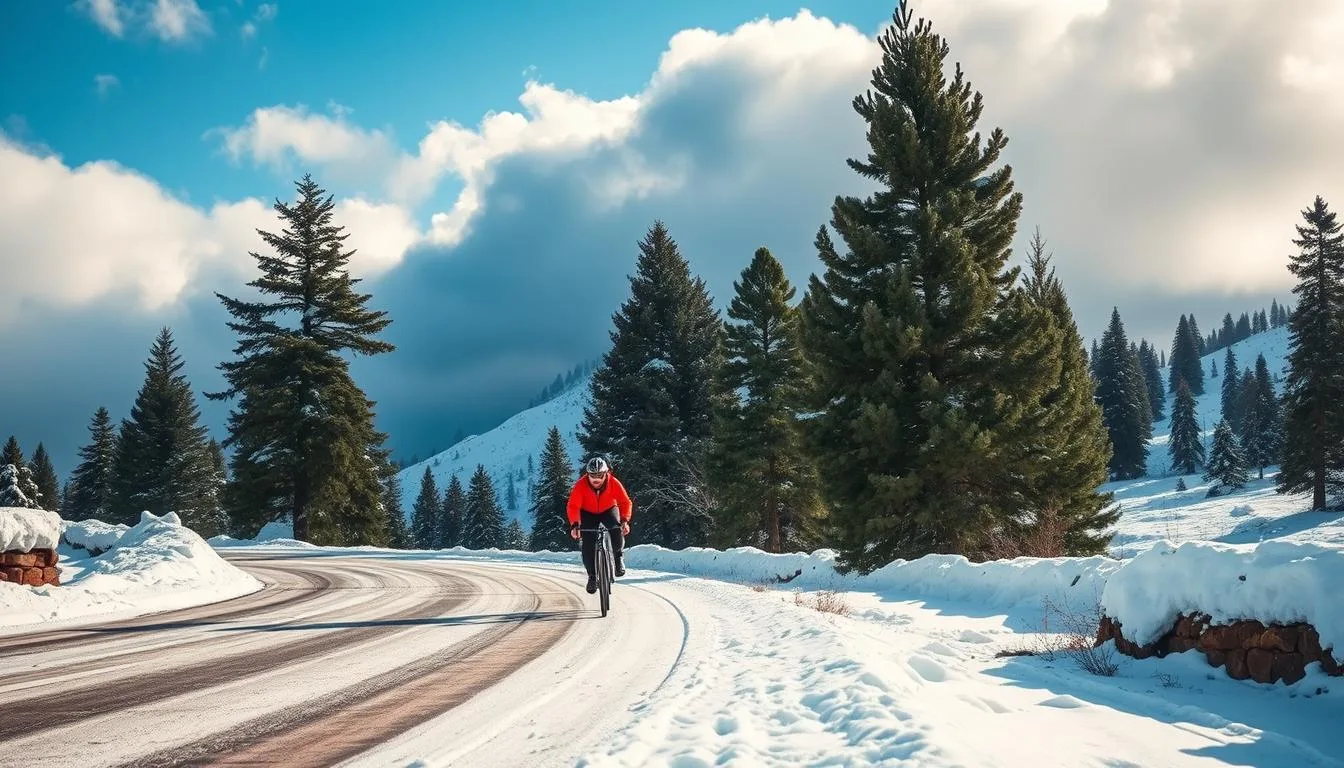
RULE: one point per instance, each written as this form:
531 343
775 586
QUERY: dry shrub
826 601
1042 537
1071 633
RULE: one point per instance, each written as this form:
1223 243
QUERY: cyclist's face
597 479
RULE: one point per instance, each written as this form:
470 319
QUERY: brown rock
1105 630
50 574
1248 634
1217 638
1236 665
47 556
1260 665
1180 644
1185 627
32 577
1281 639
13 574
1216 657
1329 665
20 559
1309 643
1289 667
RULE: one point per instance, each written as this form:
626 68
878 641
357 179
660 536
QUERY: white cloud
106 14
177 20
276 136
105 83
172 21
264 13
99 230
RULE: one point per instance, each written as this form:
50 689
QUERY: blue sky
489 165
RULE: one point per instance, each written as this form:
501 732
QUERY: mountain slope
504 451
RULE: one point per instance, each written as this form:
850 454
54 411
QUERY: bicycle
604 565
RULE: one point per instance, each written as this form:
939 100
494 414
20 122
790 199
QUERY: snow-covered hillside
1273 344
1153 510
504 451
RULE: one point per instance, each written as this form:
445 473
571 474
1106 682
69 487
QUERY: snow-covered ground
112 571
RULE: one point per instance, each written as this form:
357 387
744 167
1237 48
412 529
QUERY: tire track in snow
65 708
365 714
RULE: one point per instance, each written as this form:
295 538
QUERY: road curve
336 657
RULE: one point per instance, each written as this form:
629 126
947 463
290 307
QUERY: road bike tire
604 581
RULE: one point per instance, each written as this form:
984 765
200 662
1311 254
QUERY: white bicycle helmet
597 466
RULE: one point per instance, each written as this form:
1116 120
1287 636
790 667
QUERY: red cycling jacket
610 494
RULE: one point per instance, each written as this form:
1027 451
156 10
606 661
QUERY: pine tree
398 535
1186 446
511 495
651 401
1313 454
1227 466
89 495
1228 333
1164 358
764 483
452 516
425 511
1274 320
48 486
304 435
1070 432
1243 327
1123 397
25 487
1152 378
514 537
550 494
929 360
1200 347
484 526
1092 359
163 461
1185 362
1263 424
12 492
1231 391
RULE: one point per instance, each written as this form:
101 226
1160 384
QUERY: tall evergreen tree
1231 391
1263 423
1228 333
163 458
511 494
48 486
1243 327
1092 359
764 483
929 359
1313 455
398 535
18 488
1186 446
452 515
303 430
1123 396
514 537
89 495
484 525
651 406
1152 378
1070 431
1200 346
1227 466
550 494
1185 362
425 512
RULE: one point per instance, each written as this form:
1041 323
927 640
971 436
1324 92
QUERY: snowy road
339 655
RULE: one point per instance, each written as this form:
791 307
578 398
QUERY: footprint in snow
928 669
971 636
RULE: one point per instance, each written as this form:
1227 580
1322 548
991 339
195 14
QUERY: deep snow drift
23 529
114 571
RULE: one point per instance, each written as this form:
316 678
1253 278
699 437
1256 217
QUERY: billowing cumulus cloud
1164 147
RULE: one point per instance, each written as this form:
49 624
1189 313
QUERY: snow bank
26 529
93 536
1022 581
274 533
156 565
1273 582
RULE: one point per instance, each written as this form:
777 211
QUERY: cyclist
598 497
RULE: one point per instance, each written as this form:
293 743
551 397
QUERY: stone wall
1248 649
33 568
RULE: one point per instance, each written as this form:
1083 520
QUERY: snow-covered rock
156 565
23 529
1274 582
